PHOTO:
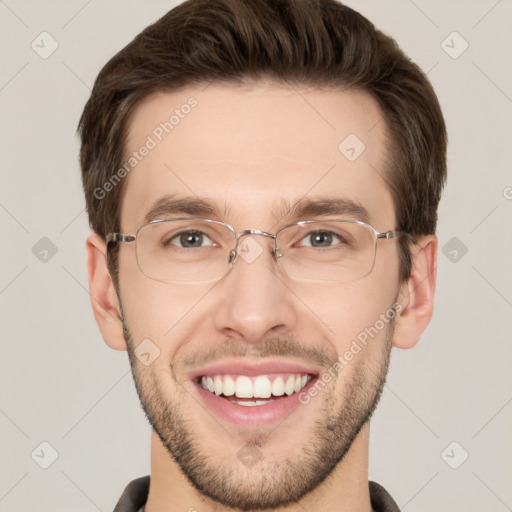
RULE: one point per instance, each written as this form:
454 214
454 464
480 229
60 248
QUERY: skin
249 147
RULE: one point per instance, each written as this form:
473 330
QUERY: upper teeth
254 387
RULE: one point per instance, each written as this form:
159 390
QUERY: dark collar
136 494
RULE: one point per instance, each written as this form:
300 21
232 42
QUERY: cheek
155 310
353 312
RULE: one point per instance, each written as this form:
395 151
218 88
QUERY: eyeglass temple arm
393 233
118 237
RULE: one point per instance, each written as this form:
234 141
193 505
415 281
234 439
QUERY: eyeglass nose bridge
245 232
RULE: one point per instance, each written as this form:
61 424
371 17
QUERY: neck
346 488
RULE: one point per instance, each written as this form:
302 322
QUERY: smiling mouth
253 391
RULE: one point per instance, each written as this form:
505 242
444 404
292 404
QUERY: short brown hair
317 43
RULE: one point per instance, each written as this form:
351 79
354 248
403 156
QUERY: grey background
62 385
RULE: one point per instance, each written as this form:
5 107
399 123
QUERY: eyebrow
304 208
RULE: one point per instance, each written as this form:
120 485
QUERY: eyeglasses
195 250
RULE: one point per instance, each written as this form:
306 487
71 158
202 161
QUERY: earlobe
102 292
417 294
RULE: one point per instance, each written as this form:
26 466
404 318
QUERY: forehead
252 151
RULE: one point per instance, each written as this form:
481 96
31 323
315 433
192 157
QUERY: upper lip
254 368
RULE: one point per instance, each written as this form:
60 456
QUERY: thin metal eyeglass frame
386 235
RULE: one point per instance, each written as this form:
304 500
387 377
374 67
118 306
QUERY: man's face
247 150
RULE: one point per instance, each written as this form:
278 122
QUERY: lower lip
243 415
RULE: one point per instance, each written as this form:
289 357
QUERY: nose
255 300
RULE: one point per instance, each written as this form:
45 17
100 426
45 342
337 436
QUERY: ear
417 294
102 292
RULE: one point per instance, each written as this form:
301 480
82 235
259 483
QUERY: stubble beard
269 484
